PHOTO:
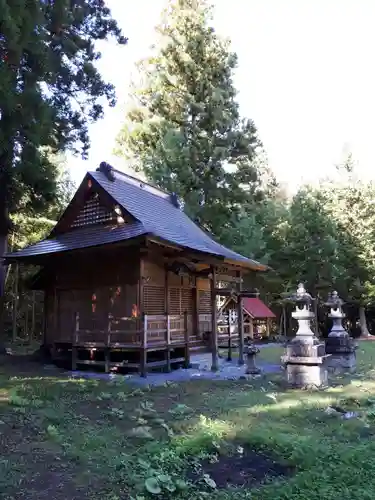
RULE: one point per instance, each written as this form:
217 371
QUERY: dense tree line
50 90
184 131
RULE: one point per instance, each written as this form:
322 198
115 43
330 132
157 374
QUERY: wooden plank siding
92 309
90 292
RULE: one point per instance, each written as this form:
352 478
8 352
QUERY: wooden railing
150 331
148 335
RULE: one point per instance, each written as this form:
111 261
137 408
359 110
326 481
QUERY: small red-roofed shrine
257 316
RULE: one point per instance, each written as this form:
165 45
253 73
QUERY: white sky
306 77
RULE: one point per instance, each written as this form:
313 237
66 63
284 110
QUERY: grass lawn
70 439
268 353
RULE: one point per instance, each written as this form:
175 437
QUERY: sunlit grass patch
126 442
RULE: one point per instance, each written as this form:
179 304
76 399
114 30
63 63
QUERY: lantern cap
334 300
301 296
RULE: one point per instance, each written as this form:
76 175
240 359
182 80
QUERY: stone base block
254 370
340 344
302 376
299 349
342 363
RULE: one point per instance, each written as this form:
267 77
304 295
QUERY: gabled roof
154 213
256 308
252 306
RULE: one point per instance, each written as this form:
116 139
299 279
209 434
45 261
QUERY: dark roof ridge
139 182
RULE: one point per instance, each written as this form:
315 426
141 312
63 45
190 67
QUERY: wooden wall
97 286
93 287
181 291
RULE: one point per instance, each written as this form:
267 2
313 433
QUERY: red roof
256 308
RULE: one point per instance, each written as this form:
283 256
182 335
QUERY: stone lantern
305 358
251 352
339 344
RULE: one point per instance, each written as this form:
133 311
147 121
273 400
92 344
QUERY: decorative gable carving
93 212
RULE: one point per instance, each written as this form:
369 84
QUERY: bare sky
306 77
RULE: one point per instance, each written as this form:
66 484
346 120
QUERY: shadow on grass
70 438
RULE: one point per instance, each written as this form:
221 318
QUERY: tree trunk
3 248
363 322
6 164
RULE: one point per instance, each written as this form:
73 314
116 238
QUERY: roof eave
249 264
40 257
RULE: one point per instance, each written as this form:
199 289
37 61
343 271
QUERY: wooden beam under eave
247 266
214 336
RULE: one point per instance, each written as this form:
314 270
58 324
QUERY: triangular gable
253 307
94 212
91 205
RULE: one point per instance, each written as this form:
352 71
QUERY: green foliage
184 130
50 90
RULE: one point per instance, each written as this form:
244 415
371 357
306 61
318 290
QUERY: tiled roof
161 218
256 308
82 238
154 214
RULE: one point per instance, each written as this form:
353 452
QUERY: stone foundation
343 355
305 364
302 376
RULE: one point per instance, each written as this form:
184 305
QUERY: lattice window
154 300
187 300
175 300
93 212
204 302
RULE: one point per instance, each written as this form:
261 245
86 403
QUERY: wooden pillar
75 342
187 340
229 357
143 325
284 331
251 328
143 360
167 321
166 292
107 351
33 315
140 287
55 313
195 319
240 325
168 342
268 327
15 302
26 331
45 322
214 339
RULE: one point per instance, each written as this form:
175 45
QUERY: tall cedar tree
184 130
50 90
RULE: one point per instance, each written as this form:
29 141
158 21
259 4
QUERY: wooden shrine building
129 280
257 316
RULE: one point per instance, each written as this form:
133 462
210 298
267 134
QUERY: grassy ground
268 354
70 439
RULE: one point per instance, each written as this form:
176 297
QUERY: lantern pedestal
306 364
251 353
305 360
338 344
342 352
